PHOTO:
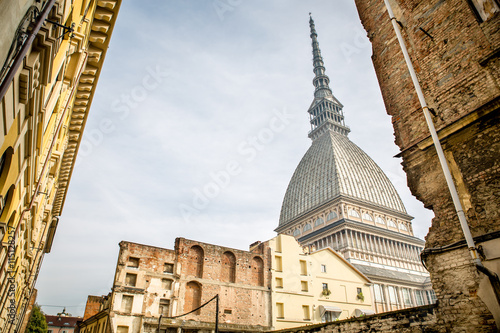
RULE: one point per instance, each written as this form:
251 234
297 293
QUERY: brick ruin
152 281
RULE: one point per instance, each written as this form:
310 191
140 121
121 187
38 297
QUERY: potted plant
360 296
326 292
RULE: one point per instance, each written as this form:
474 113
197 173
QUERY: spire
325 111
321 80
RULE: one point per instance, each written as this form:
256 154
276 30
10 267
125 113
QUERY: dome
334 166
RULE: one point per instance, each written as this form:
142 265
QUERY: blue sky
207 97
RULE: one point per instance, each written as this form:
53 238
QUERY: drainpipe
22 53
493 277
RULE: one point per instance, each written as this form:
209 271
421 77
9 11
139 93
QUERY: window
228 311
367 217
127 302
168 268
307 313
391 223
379 295
303 267
49 331
353 213
122 329
307 227
379 220
393 298
130 279
325 290
279 263
331 216
406 297
430 296
279 282
304 286
166 284
323 268
296 232
419 297
403 227
319 222
164 307
280 311
133 262
359 291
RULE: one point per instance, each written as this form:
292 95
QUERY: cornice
103 22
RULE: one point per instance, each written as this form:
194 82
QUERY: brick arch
228 273
192 298
257 271
195 261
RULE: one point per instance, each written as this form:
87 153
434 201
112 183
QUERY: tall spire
321 80
325 111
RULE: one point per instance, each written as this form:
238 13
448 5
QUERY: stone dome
334 166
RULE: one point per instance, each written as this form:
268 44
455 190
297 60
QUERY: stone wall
456 57
411 320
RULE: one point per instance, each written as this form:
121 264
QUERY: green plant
326 292
37 322
361 297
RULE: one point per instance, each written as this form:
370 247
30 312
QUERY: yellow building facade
52 53
310 287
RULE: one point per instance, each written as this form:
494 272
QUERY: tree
37 322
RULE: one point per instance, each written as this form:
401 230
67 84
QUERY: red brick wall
456 59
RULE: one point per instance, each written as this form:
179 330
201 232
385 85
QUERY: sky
182 141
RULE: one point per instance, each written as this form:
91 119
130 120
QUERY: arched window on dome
367 217
403 227
296 232
319 222
307 227
331 216
353 213
380 220
391 223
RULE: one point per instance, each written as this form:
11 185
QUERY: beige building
51 53
314 287
339 198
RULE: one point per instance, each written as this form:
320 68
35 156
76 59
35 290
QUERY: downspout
493 277
22 53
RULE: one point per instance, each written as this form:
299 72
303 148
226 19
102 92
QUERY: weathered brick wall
93 306
245 302
456 60
414 320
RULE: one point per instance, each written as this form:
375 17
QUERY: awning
325 308
363 312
